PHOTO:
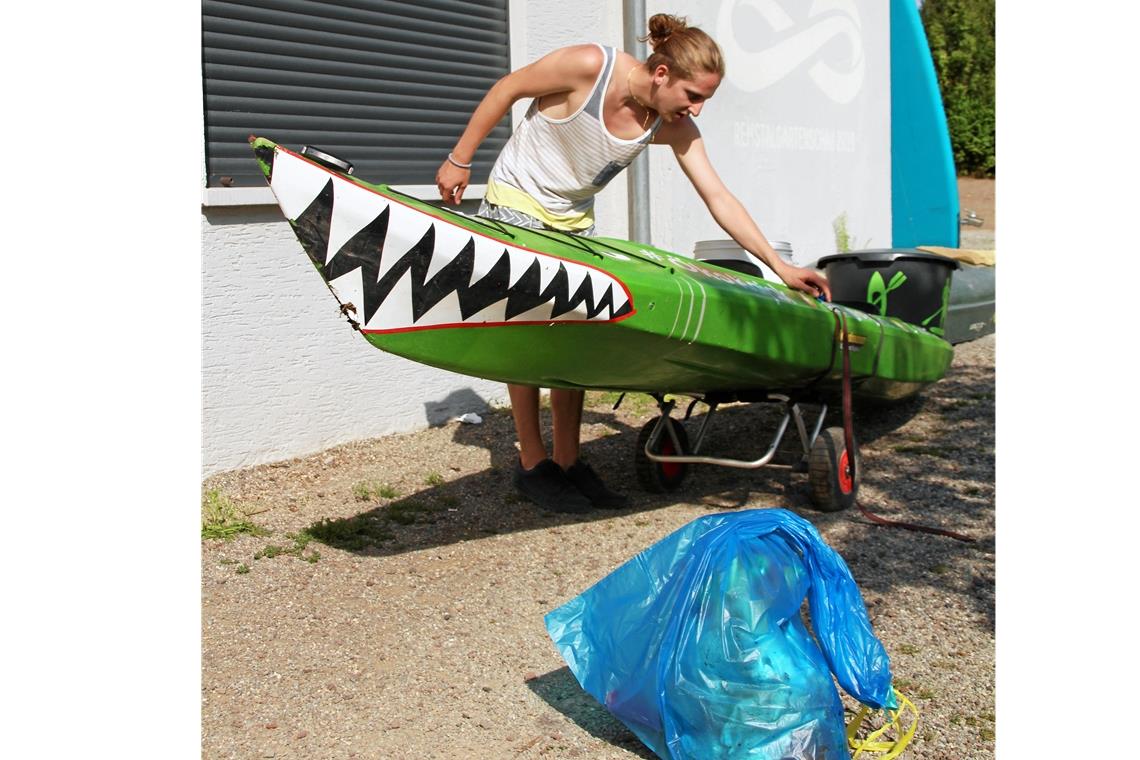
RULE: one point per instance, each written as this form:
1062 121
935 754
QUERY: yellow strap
891 748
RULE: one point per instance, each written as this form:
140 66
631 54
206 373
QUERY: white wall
799 129
283 374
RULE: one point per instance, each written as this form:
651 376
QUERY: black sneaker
548 487
587 481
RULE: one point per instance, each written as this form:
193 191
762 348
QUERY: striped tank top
551 169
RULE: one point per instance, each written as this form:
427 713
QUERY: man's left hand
807 280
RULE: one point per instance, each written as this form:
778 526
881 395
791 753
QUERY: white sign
799 129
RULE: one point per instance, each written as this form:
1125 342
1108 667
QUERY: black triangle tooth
492 287
585 292
312 227
559 289
417 258
363 250
626 308
607 300
523 295
447 280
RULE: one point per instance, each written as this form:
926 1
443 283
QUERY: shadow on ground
560 690
910 473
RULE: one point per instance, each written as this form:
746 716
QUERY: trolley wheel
659 477
327 160
831 488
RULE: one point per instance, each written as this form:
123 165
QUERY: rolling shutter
387 85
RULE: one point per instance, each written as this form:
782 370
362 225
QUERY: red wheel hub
668 469
846 484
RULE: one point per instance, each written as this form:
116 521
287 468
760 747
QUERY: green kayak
543 308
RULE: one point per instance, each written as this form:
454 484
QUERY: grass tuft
350 534
300 541
407 512
222 519
371 490
640 404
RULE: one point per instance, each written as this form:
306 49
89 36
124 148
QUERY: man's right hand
452 182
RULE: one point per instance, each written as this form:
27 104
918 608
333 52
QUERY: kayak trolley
664 453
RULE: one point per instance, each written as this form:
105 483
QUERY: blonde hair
685 49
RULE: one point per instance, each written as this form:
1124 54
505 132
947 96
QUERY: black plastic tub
893 282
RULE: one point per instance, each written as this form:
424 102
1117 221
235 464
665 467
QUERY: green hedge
961 37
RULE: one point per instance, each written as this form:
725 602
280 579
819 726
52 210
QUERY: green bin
894 282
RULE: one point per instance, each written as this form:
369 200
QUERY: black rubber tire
830 491
660 477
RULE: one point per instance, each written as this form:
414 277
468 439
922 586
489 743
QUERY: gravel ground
411 627
977 195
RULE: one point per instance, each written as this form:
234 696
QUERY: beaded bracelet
456 163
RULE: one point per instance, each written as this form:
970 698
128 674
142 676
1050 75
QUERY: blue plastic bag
697 643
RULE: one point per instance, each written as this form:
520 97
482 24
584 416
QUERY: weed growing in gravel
270 551
222 519
371 490
434 479
300 541
351 534
640 404
407 512
908 649
242 569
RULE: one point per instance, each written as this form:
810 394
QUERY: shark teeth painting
397 268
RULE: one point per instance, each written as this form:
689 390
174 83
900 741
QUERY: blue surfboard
924 183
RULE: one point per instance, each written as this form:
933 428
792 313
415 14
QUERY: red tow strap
848 440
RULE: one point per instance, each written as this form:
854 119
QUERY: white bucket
730 250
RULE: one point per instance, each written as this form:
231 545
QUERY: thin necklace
629 88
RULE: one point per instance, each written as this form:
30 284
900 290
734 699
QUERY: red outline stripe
359 183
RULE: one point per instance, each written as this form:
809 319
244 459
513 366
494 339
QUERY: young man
594 110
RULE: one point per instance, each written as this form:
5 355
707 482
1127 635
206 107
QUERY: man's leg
524 408
566 408
538 478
